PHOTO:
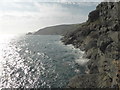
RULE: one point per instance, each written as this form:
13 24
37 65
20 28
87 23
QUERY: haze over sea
37 61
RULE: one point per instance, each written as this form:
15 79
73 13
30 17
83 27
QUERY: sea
38 61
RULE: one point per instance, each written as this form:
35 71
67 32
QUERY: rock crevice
99 37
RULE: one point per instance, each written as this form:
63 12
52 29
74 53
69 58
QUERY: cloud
21 17
44 9
57 0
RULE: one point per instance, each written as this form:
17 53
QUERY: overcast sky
22 16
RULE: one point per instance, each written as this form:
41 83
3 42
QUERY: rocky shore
99 38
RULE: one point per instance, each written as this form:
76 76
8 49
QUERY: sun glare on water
5 39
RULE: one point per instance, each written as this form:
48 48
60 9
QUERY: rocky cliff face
99 38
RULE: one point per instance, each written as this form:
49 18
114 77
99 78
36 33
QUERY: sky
22 16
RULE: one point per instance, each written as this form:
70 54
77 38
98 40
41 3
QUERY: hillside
56 30
99 37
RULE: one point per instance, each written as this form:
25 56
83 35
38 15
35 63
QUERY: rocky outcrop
99 38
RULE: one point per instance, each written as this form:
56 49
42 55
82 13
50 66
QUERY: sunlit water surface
37 61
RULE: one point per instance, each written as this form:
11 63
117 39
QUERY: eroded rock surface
99 37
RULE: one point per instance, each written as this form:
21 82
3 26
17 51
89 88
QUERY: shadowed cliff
99 38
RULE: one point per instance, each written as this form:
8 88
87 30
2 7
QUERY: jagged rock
112 51
91 54
99 38
116 27
94 15
103 42
91 44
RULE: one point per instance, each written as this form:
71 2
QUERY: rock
94 15
114 36
91 44
103 42
116 27
112 51
91 54
83 81
99 38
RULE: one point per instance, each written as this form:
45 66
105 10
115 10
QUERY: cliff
99 38
56 30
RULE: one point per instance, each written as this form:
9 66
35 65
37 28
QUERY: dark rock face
99 37
94 15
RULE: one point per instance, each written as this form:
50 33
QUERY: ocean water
39 61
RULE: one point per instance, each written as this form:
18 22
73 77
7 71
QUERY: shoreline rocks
99 38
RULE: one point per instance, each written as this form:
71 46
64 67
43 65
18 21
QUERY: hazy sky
21 16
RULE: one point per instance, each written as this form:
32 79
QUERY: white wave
77 70
81 61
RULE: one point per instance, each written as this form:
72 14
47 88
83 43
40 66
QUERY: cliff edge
99 37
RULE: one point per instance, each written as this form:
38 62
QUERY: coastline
81 60
99 38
